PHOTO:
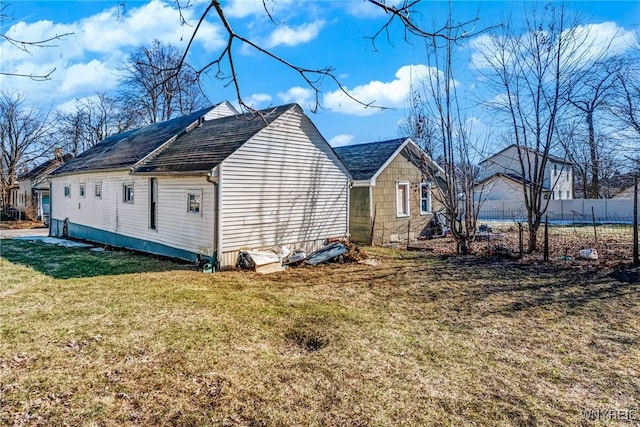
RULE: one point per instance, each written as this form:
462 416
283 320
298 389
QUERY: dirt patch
613 243
20 225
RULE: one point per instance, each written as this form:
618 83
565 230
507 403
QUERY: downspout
216 213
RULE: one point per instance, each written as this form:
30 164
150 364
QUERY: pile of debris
277 259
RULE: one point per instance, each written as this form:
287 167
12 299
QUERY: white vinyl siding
285 186
176 227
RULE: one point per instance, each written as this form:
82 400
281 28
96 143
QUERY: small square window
82 190
98 190
193 203
127 193
67 191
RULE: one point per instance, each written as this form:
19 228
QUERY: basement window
402 199
127 193
193 203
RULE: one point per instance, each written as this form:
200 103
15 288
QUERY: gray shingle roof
126 149
198 150
44 168
204 147
364 160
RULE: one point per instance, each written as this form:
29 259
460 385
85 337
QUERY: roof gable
208 144
364 161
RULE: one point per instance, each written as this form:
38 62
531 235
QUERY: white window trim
399 211
67 191
124 193
426 184
95 190
195 193
82 190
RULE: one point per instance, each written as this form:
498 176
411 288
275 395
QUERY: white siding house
558 173
32 194
209 185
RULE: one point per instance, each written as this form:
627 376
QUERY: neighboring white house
32 194
505 167
206 185
501 186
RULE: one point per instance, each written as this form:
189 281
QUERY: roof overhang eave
172 173
364 183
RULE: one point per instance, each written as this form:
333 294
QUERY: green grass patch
65 263
415 340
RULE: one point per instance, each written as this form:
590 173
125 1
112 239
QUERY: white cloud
292 36
590 42
87 77
257 100
108 36
341 140
300 95
382 94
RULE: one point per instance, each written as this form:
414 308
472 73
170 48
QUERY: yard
115 338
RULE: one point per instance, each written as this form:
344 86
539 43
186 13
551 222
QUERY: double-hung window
127 193
425 198
193 202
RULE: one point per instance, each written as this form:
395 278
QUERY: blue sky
311 34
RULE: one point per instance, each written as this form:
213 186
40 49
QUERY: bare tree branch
26 46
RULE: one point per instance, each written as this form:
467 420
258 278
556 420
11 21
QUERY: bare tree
625 105
437 117
588 92
531 69
92 120
419 125
25 46
24 137
157 85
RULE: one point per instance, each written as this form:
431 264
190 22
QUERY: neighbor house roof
366 161
44 168
205 146
187 144
551 158
125 149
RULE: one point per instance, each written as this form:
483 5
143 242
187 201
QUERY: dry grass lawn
116 339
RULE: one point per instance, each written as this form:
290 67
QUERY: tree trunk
594 191
533 238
